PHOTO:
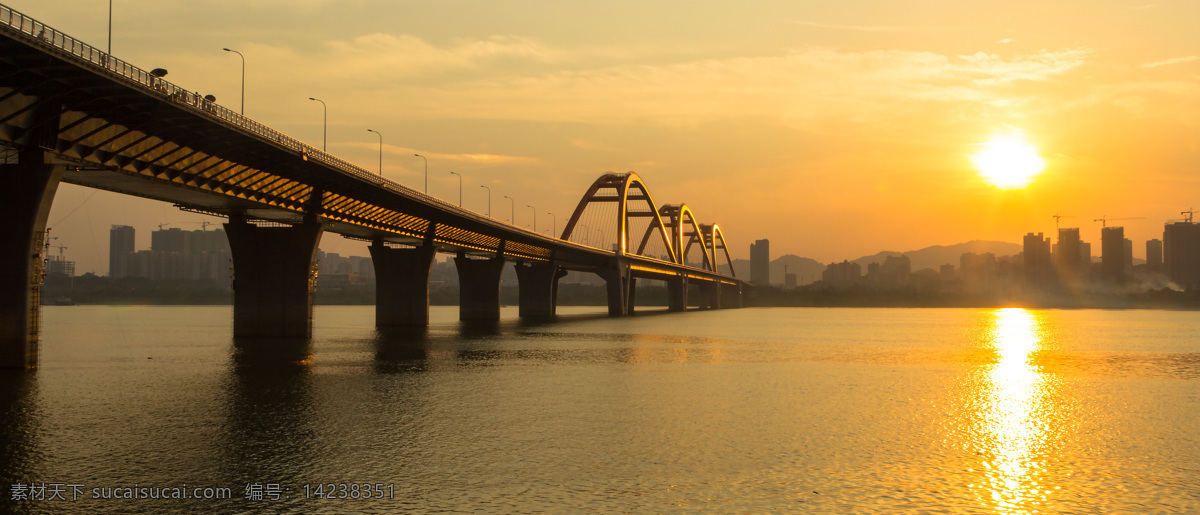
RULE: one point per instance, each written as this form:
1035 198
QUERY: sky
833 129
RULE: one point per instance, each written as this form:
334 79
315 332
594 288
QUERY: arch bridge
71 113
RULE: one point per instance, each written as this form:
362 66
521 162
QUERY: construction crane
1057 216
1104 220
1187 215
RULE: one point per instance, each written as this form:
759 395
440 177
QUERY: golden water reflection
1015 415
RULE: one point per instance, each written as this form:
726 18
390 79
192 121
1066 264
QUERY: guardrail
60 43
39 33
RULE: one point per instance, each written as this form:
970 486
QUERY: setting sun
1008 161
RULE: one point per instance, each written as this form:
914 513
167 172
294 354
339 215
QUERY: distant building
760 262
789 281
1068 254
895 270
174 254
120 250
977 271
947 272
1154 256
1181 254
1038 271
57 266
842 273
1128 255
1112 254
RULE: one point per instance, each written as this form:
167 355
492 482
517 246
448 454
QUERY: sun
1008 161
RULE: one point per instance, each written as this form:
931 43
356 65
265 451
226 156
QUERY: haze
835 130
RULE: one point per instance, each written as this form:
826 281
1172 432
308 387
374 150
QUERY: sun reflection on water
1015 414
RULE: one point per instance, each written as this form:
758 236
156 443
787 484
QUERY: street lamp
512 210
489 199
109 29
585 233
324 121
380 153
459 188
426 172
534 216
553 224
243 78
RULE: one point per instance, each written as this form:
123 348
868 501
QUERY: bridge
71 113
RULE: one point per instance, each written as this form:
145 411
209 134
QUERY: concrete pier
25 199
538 283
619 281
273 278
401 285
677 293
478 288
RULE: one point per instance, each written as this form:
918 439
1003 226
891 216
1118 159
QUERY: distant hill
938 255
809 270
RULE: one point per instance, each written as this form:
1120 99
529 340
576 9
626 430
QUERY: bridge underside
69 113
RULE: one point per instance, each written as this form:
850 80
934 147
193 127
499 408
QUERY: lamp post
534 216
324 121
489 199
243 78
459 188
512 210
426 172
553 224
585 233
109 28
380 153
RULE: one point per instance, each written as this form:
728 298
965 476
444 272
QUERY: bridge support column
538 284
731 296
710 295
401 285
479 288
273 278
25 199
677 293
620 287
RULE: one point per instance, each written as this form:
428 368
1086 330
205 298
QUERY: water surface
751 410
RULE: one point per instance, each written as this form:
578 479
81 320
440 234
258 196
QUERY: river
747 411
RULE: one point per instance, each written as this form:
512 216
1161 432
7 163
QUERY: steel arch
623 183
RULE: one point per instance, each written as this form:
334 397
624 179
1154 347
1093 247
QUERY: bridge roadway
70 113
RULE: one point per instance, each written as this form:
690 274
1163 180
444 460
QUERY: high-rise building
842 273
1068 253
1181 254
1154 256
1128 255
760 262
1112 253
120 249
1037 260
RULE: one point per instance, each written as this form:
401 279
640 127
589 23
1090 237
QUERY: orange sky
833 129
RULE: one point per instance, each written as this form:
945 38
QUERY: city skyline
852 127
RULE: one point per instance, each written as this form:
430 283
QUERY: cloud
1171 61
871 28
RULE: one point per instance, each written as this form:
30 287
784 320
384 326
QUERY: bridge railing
58 42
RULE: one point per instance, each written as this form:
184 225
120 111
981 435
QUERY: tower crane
1057 216
1188 215
1104 220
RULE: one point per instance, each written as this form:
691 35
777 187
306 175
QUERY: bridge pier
731 296
273 278
710 295
677 293
25 201
401 285
619 281
479 288
538 285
